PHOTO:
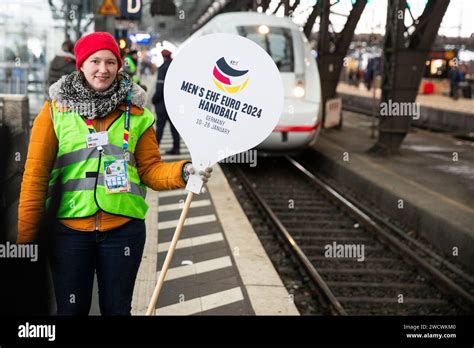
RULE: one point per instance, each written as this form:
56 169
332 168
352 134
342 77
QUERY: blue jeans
115 255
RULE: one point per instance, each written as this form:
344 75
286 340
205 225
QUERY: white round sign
224 95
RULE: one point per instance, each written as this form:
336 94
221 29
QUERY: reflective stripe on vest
80 169
84 154
89 184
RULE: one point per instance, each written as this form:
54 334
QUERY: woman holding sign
91 156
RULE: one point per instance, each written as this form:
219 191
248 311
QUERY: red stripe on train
296 128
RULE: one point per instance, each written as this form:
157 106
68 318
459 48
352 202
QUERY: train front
300 121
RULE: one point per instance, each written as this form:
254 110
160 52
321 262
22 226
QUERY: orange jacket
42 151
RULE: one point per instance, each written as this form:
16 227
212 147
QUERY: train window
277 42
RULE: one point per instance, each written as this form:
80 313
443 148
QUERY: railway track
357 263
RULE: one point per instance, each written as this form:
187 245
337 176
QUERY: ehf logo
228 79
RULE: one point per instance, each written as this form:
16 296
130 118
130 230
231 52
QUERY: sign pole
169 256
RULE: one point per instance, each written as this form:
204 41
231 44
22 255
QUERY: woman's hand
204 174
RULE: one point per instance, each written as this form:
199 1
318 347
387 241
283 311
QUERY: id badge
115 176
97 139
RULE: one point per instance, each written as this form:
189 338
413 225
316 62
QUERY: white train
300 122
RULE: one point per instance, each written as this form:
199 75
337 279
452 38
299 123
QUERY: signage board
224 95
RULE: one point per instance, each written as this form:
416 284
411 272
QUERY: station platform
433 176
437 112
219 267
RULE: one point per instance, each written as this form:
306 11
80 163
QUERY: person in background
455 76
130 65
62 64
159 102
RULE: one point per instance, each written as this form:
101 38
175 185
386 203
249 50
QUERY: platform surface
462 105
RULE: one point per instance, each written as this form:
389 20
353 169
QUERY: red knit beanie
94 42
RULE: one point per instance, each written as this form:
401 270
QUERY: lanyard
89 125
126 125
126 122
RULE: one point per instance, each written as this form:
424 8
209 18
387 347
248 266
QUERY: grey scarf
73 93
